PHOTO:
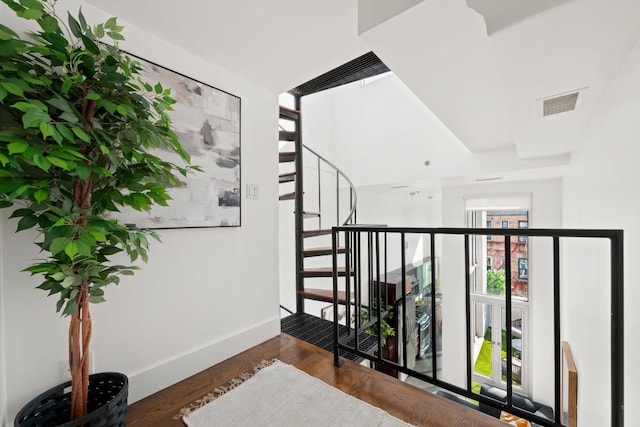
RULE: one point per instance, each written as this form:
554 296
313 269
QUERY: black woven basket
107 404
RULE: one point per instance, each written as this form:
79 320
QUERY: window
489 226
523 224
523 268
505 224
489 264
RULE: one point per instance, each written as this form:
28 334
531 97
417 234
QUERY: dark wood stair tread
322 251
323 295
323 272
287 177
288 135
289 113
313 233
287 156
288 196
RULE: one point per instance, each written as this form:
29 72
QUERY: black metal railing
369 280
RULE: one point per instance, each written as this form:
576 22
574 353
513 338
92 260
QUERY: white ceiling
481 66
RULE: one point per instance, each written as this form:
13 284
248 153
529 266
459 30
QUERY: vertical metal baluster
378 300
617 329
556 329
319 197
508 315
404 300
434 320
467 288
336 357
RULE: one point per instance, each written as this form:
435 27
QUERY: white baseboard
168 372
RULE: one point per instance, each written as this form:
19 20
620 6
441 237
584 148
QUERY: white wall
602 192
205 295
546 212
382 133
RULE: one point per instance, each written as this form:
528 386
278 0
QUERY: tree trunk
79 339
80 325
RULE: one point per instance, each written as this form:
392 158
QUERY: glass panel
483 348
517 321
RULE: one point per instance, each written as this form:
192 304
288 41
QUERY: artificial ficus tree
76 126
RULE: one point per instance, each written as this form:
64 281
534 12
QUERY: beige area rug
280 395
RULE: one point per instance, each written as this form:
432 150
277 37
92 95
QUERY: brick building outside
519 249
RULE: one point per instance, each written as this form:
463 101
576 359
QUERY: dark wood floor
404 401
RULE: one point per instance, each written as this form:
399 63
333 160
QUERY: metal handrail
371 254
354 200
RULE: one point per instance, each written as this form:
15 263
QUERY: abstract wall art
207 121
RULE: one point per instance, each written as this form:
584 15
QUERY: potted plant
76 126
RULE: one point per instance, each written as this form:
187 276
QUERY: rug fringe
219 391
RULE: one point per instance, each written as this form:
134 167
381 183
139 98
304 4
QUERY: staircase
313 251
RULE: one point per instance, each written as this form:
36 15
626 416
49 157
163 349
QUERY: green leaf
60 104
30 14
158 88
18 213
56 136
81 134
83 172
13 88
20 191
99 236
96 299
4 160
115 35
110 250
92 95
4 35
27 222
8 30
65 132
71 250
41 161
41 195
59 305
3 93
49 24
32 4
122 110
59 276
58 245
33 118
83 21
70 308
90 45
111 23
56 161
66 85
99 30
69 117
25 106
17 147
46 129
74 26
68 281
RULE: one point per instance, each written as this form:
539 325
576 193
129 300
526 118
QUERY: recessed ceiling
481 66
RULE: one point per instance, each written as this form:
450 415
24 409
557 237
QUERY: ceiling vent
559 104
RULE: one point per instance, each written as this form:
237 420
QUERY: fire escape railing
372 258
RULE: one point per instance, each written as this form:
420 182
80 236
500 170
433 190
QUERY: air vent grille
559 104
367 65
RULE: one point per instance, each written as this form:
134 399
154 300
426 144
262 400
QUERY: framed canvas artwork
207 121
